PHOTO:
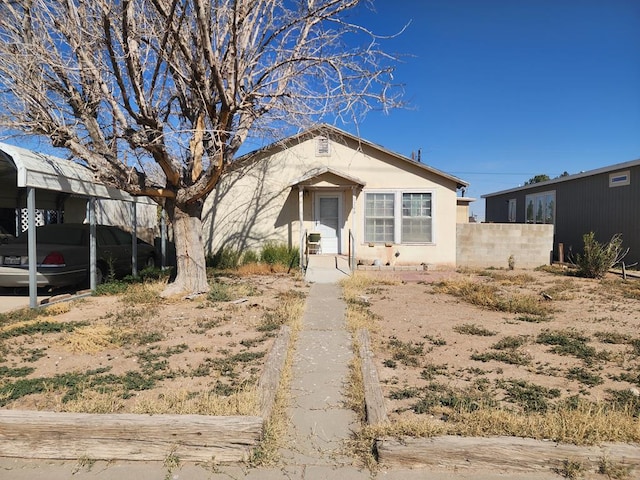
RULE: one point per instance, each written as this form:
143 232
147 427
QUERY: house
362 200
604 201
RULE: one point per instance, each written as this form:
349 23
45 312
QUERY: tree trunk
191 275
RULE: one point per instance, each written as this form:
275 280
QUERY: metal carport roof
48 174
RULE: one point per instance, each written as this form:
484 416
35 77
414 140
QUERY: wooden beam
374 400
272 372
499 453
37 434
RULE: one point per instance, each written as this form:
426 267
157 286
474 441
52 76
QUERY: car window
122 237
105 237
56 234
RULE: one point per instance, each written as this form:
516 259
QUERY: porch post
301 218
353 222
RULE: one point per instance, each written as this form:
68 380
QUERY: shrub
250 256
225 258
279 253
597 258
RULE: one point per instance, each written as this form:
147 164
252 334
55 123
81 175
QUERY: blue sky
502 90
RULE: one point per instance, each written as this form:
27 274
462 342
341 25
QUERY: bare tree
181 84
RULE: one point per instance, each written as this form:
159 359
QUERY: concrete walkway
319 422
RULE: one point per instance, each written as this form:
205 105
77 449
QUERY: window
416 217
379 217
322 147
541 207
619 179
512 210
398 217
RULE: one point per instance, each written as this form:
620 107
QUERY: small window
322 147
619 179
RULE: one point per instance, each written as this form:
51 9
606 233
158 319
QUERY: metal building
605 201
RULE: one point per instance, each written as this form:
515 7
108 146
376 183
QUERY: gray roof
568 178
51 173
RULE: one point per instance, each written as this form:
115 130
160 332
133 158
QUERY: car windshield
56 235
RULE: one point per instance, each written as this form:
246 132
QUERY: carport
31 180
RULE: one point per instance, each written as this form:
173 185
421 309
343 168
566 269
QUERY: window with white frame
416 217
379 217
541 207
398 217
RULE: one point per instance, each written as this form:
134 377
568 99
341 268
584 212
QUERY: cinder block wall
482 245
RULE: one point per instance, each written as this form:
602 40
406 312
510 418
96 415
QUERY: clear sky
502 90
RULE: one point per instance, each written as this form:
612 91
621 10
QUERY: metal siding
583 205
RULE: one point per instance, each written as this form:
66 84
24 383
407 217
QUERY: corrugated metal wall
583 205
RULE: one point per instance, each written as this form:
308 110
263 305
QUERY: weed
390 363
614 470
511 357
406 392
436 341
571 343
585 377
573 470
507 343
533 318
598 258
615 338
529 396
430 371
473 329
406 352
43 327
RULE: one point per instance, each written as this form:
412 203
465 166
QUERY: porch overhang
327 178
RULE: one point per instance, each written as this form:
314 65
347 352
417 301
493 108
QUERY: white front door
328 222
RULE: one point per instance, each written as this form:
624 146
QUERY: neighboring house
605 201
360 198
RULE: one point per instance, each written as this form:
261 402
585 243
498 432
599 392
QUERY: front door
328 222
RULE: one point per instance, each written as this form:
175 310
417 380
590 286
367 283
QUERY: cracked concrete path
319 421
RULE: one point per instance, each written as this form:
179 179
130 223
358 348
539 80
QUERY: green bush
250 256
597 258
224 258
279 253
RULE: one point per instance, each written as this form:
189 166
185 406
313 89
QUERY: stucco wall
256 203
482 245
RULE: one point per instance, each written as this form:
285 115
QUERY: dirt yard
524 340
135 352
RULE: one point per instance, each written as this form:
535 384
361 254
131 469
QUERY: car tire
150 262
101 274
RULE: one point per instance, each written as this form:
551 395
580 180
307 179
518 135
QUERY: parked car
63 255
5 236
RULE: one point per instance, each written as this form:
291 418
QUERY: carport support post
31 245
134 240
92 243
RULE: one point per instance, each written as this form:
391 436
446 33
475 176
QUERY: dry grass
487 295
578 422
89 339
242 402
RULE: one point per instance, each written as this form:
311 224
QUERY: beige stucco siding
260 202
